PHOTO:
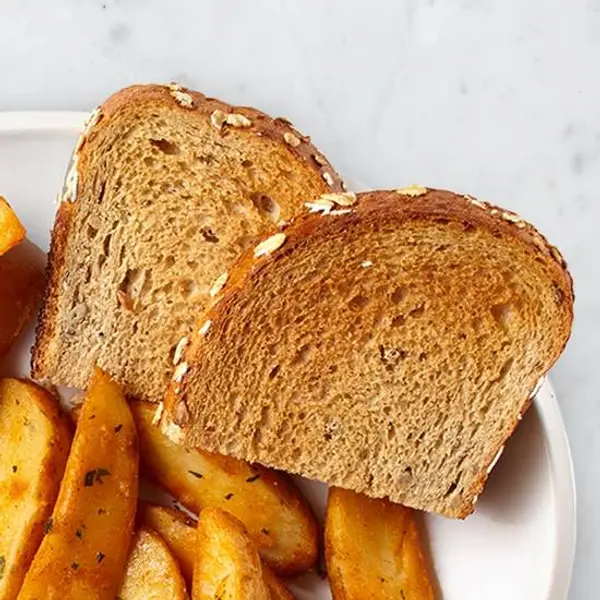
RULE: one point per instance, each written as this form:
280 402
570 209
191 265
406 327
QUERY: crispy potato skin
372 550
152 572
278 519
11 230
179 533
85 550
34 445
21 285
227 562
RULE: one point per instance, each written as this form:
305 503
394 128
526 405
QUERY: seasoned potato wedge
86 546
21 285
179 532
372 550
11 230
227 562
277 517
177 529
34 445
152 572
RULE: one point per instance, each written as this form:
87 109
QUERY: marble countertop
498 99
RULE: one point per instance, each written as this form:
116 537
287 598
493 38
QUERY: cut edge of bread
221 115
417 203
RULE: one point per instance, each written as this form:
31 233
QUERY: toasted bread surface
389 347
165 189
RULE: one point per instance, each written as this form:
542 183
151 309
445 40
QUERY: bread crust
173 97
381 208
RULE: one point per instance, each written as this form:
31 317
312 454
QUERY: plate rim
545 401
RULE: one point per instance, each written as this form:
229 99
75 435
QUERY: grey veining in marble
497 98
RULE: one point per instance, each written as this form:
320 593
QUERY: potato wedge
152 572
85 550
179 533
11 230
278 519
177 529
34 445
21 286
227 562
372 550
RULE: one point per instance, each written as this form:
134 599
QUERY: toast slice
165 189
388 344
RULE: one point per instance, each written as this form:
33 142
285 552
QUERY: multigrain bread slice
165 189
388 344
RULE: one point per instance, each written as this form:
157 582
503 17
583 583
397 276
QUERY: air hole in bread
301 416
274 371
391 357
209 235
187 288
266 206
502 313
452 488
442 221
106 245
135 282
391 431
206 159
91 232
422 356
169 261
246 163
442 247
398 295
358 302
302 354
417 312
398 321
332 369
166 147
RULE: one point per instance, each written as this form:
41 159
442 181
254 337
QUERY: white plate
520 542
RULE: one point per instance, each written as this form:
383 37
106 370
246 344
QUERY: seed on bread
320 160
328 178
219 119
511 217
72 180
341 199
180 371
475 202
180 349
158 413
319 205
365 264
291 139
269 245
340 211
219 284
205 327
414 190
182 97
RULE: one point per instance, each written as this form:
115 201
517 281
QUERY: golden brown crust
381 208
156 95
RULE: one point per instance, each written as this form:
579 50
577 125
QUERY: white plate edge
550 413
